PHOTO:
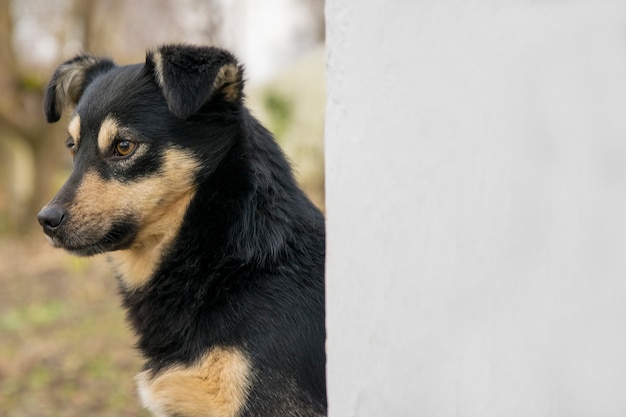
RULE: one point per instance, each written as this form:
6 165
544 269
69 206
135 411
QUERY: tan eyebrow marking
74 130
108 131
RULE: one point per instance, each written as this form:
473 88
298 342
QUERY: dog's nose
50 218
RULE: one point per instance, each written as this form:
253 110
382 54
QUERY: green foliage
280 112
32 82
31 315
5 223
292 107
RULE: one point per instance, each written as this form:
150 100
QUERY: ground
65 348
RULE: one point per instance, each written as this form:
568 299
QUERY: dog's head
140 135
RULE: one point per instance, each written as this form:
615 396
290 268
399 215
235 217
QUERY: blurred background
65 348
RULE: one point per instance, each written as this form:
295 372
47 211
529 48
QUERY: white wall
476 206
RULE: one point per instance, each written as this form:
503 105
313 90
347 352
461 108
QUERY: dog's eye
69 143
124 147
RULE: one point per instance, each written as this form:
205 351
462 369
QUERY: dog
218 253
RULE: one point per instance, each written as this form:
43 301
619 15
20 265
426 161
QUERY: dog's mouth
119 236
87 250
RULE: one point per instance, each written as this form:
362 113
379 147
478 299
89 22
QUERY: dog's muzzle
51 218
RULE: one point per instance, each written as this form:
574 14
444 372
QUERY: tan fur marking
74 130
161 201
227 81
106 134
158 67
216 386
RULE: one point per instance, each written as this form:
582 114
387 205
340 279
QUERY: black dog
219 254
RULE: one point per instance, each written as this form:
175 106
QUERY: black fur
188 79
247 266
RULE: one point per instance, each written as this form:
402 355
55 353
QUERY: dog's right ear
190 76
69 82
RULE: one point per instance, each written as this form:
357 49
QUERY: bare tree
16 122
316 9
32 148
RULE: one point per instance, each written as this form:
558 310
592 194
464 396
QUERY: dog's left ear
191 76
70 80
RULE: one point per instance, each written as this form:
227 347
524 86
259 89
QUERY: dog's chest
215 386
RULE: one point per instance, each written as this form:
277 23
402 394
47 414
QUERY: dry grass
65 348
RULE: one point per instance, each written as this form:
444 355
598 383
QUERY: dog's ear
69 82
191 76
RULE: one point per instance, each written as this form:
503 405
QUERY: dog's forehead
124 93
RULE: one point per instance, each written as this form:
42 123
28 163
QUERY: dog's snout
51 218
